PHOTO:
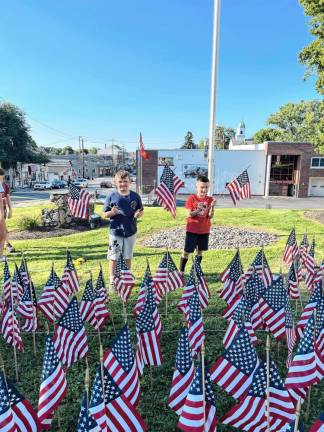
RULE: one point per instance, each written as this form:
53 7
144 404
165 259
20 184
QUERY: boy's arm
140 209
212 208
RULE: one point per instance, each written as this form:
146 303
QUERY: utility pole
82 157
213 97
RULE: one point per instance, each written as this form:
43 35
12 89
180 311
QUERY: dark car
58 184
106 184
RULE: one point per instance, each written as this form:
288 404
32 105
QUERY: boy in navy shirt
123 207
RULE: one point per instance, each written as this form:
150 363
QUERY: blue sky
105 69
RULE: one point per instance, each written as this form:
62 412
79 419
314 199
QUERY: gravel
220 237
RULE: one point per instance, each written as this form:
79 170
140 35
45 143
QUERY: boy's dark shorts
196 240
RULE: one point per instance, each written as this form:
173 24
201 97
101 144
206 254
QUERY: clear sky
107 69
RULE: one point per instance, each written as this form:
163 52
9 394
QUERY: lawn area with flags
233 330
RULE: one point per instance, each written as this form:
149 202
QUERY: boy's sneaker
10 248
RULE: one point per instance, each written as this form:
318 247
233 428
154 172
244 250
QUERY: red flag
142 150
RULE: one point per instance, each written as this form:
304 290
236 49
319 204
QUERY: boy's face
202 188
122 184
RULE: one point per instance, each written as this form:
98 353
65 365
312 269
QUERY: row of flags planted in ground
256 300
165 192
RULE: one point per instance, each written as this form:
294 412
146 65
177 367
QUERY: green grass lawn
92 246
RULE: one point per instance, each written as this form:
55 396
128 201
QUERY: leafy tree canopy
223 136
296 122
189 141
16 143
312 56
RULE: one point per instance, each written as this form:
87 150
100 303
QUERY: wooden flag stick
34 310
262 261
124 311
167 284
203 380
297 415
102 373
14 333
268 382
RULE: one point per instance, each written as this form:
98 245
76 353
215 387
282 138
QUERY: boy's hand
114 211
138 213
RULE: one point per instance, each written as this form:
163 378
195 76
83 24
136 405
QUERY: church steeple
240 133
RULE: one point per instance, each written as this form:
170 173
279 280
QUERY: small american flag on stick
240 187
78 202
166 192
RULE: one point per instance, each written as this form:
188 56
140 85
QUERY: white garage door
316 186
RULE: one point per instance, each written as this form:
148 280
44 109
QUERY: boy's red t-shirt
201 223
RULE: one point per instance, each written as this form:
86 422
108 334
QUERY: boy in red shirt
200 212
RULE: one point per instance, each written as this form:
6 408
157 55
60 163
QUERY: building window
317 162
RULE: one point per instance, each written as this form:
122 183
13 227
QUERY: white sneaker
10 248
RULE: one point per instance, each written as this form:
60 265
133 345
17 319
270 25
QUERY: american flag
142 150
167 278
78 202
240 187
261 267
110 407
292 283
10 329
120 362
183 374
291 427
23 271
101 286
303 249
250 413
87 311
102 314
319 339
195 282
319 274
240 318
7 423
310 267
314 299
27 308
290 331
85 421
148 328
253 289
167 190
231 307
17 286
197 414
318 426
195 323
70 339
53 386
123 279
70 280
24 415
6 283
302 372
233 371
291 249
146 285
232 279
46 300
61 297
272 307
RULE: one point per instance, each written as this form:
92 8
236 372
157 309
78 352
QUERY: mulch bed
317 216
44 232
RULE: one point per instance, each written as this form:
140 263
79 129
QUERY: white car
42 185
81 182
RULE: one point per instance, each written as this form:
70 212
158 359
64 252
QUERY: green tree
268 134
189 141
67 150
223 136
312 56
93 150
16 143
297 122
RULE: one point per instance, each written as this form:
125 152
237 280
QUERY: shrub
28 223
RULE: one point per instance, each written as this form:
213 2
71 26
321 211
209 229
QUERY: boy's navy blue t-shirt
124 224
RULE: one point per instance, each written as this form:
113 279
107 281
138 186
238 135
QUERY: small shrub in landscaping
28 223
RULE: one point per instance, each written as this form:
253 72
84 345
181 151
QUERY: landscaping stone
221 237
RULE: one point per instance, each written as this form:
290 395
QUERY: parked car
58 184
81 182
106 184
42 185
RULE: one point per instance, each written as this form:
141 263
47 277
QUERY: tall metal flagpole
213 89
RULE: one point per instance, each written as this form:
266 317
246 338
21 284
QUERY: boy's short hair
202 178
122 174
2 172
